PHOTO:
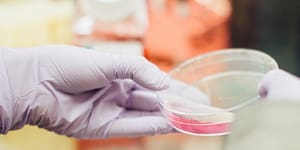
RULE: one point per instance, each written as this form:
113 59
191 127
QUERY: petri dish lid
207 65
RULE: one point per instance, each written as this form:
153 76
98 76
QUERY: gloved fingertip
263 85
262 91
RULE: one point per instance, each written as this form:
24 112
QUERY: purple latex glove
280 85
80 93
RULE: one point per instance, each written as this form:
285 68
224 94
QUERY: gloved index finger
85 69
136 68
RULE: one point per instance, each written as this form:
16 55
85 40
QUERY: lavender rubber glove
80 93
280 85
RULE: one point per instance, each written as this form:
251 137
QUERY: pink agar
199 127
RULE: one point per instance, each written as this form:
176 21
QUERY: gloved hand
280 85
80 93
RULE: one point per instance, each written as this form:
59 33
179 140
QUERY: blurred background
166 32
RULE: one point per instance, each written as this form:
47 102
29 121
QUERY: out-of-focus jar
115 26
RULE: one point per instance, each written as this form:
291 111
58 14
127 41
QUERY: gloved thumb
279 85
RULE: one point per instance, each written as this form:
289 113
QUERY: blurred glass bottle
180 29
115 26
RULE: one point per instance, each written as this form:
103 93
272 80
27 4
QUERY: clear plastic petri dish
229 78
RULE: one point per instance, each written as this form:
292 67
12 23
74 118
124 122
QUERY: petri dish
229 78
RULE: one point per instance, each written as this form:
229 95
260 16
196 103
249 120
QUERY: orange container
181 29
